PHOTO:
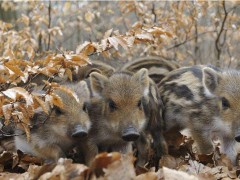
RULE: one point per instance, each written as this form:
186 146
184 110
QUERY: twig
40 42
154 13
49 24
217 42
189 39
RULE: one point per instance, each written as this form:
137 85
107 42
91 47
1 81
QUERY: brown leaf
15 69
7 112
68 72
122 42
107 33
104 45
15 91
56 100
80 59
27 131
66 170
137 25
82 47
148 175
102 160
176 175
145 36
5 156
114 42
41 103
122 168
159 31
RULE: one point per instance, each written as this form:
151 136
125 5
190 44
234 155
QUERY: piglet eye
58 111
85 107
139 103
225 103
112 105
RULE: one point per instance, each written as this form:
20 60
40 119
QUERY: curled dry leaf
14 69
68 72
41 103
176 175
56 100
107 33
66 170
7 111
51 84
80 58
17 92
150 176
145 37
121 169
102 160
27 131
114 42
86 48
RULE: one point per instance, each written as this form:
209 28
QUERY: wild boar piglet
121 111
205 100
54 134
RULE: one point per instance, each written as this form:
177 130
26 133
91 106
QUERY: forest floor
181 163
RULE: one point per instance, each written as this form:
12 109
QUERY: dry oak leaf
114 42
41 103
16 92
121 169
102 160
159 31
15 69
56 100
144 37
7 110
150 176
15 176
81 59
86 48
107 33
65 170
176 175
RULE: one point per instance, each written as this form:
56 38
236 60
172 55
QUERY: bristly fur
157 67
205 100
51 137
135 102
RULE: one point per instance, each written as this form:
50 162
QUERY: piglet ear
210 80
98 82
83 90
142 77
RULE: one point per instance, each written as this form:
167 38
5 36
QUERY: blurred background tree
201 31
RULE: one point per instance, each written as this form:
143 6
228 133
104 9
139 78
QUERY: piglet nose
79 132
130 134
237 138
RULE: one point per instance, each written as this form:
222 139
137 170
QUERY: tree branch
189 39
218 45
49 24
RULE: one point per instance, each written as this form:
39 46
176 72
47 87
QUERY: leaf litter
180 163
